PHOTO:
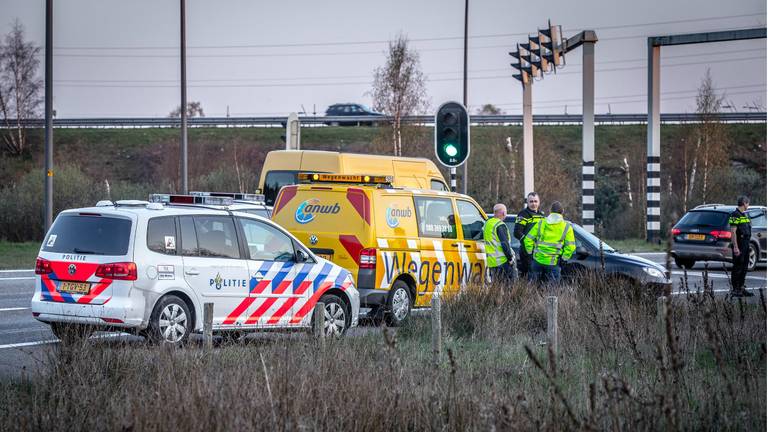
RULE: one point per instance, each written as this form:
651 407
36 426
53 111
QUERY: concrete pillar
588 137
528 185
653 183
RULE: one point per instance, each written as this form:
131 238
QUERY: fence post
662 309
318 321
552 323
208 326
437 330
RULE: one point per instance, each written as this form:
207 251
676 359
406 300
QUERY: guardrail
478 120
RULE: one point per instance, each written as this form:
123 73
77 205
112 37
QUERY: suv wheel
171 321
685 263
752 257
398 304
70 333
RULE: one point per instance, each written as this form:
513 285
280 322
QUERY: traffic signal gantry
545 53
452 137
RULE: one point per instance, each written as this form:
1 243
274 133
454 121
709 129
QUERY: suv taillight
42 266
119 271
675 231
368 258
721 234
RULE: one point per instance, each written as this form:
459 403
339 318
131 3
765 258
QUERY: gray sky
120 58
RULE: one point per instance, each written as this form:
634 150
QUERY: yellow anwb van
401 245
281 168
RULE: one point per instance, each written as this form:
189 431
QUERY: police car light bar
233 195
344 178
191 199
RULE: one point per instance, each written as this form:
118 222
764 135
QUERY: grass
494 374
637 245
18 255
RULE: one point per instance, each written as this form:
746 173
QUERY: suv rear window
89 235
704 219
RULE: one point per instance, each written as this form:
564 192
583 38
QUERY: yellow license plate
695 237
325 256
75 287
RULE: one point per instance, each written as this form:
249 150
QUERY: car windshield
704 219
590 238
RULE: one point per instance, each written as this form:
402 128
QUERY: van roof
390 189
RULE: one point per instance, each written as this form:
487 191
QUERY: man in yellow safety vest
499 258
549 241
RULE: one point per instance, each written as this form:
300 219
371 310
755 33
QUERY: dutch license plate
75 287
325 256
695 236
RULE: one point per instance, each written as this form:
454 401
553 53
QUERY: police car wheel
68 333
752 257
171 321
398 304
335 317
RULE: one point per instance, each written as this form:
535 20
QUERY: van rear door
87 256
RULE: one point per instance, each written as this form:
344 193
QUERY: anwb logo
308 210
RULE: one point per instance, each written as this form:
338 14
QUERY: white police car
244 202
150 267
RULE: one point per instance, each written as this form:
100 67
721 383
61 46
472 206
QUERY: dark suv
703 234
350 110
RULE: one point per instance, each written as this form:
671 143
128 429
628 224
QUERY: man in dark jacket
525 220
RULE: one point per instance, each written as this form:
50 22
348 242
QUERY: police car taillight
42 266
119 271
368 258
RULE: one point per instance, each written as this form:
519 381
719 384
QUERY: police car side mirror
301 256
581 252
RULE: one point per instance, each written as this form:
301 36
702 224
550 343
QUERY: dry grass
619 368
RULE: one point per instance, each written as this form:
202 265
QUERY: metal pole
48 216
184 168
466 34
453 179
653 185
527 140
588 138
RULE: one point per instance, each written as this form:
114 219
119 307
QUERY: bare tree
712 136
398 87
20 87
194 109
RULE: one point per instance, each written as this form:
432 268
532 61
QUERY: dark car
586 258
703 234
350 110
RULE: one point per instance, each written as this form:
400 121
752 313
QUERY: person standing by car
499 258
548 241
741 232
525 220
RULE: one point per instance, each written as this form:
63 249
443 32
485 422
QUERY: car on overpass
703 234
588 258
350 110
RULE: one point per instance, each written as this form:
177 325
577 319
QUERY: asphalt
23 340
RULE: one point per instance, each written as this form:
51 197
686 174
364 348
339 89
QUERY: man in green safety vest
549 241
499 258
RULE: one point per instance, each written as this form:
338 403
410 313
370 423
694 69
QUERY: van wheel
685 263
170 322
398 304
71 333
752 263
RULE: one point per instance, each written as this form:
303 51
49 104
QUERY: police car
148 268
252 203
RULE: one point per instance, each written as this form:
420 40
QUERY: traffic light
552 43
452 134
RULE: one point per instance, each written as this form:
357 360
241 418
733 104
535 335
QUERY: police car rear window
704 219
89 235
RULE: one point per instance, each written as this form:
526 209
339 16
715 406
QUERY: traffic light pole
184 158
453 179
527 139
48 114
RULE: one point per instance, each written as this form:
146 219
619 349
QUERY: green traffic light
451 150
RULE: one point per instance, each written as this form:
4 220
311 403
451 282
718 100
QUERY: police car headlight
654 272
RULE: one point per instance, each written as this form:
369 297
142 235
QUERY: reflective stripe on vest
552 257
494 254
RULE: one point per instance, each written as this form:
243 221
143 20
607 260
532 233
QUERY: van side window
188 236
161 235
437 185
265 243
436 218
472 221
216 236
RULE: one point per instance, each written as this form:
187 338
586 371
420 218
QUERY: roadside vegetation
18 255
619 367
